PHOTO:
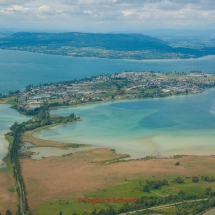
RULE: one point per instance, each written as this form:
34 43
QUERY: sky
106 15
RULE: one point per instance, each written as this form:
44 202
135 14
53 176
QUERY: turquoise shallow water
7 117
169 126
19 69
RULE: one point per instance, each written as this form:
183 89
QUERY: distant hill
135 46
128 42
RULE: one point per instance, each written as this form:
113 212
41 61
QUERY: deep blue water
18 69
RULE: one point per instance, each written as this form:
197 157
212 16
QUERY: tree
178 180
93 212
101 212
28 88
72 115
195 179
61 213
208 190
146 188
14 126
181 193
8 212
177 163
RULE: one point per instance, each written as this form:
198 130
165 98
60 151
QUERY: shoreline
28 137
130 99
48 143
109 58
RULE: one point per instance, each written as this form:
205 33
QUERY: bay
159 127
19 69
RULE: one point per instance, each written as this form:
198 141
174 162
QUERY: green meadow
129 189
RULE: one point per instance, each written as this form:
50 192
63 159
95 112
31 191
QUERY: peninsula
124 85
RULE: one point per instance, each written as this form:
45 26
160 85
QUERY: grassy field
129 189
54 184
8 100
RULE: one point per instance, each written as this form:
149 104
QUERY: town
123 85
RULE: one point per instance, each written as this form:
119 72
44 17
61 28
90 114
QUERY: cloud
167 5
88 2
44 9
207 5
110 15
19 8
13 2
88 12
14 9
128 12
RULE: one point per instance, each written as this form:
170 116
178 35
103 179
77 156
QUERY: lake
19 69
159 127
124 126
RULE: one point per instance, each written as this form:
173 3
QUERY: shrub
177 163
195 179
178 180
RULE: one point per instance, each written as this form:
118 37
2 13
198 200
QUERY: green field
129 189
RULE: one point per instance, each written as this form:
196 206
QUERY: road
163 206
211 212
17 172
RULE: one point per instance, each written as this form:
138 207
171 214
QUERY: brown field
8 198
73 176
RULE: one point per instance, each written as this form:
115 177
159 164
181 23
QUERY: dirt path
211 212
163 206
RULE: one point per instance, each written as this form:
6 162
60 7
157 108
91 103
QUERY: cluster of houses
182 83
